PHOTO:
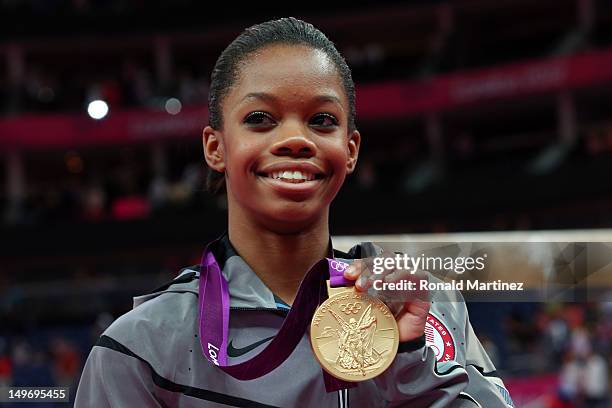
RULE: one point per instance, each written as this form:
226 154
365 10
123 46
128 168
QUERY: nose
294 144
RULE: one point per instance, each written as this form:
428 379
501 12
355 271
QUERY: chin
294 217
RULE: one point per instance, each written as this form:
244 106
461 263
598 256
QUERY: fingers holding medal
400 289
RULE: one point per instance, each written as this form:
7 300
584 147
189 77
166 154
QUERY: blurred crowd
571 341
121 195
134 85
45 357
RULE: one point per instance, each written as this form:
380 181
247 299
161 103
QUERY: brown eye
259 120
324 120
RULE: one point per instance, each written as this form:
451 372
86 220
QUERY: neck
279 259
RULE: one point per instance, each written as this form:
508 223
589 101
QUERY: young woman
281 140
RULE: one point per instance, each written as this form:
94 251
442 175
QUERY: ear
213 149
354 141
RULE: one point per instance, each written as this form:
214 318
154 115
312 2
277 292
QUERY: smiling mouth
292 176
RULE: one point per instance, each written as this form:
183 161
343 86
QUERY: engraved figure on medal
355 345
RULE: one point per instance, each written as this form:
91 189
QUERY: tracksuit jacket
151 356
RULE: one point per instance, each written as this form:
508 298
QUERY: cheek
338 156
240 156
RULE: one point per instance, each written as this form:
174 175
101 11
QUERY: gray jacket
151 356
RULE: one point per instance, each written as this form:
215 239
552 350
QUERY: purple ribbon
336 274
214 308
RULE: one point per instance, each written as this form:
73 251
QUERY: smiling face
284 147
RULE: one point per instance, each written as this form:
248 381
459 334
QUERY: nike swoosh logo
237 352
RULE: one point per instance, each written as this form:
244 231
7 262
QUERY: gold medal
354 336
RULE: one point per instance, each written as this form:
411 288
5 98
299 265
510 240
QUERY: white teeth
294 175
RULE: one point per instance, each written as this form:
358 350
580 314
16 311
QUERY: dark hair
283 31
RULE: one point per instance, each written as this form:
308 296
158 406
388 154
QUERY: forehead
289 70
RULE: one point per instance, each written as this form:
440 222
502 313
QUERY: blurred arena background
476 116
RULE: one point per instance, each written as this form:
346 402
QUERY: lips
294 173
292 178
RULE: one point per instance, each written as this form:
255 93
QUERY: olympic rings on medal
348 308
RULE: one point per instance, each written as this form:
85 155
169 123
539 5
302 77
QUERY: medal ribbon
214 308
336 274
336 279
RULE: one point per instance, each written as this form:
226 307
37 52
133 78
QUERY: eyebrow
271 98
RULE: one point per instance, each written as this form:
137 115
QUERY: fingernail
350 270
